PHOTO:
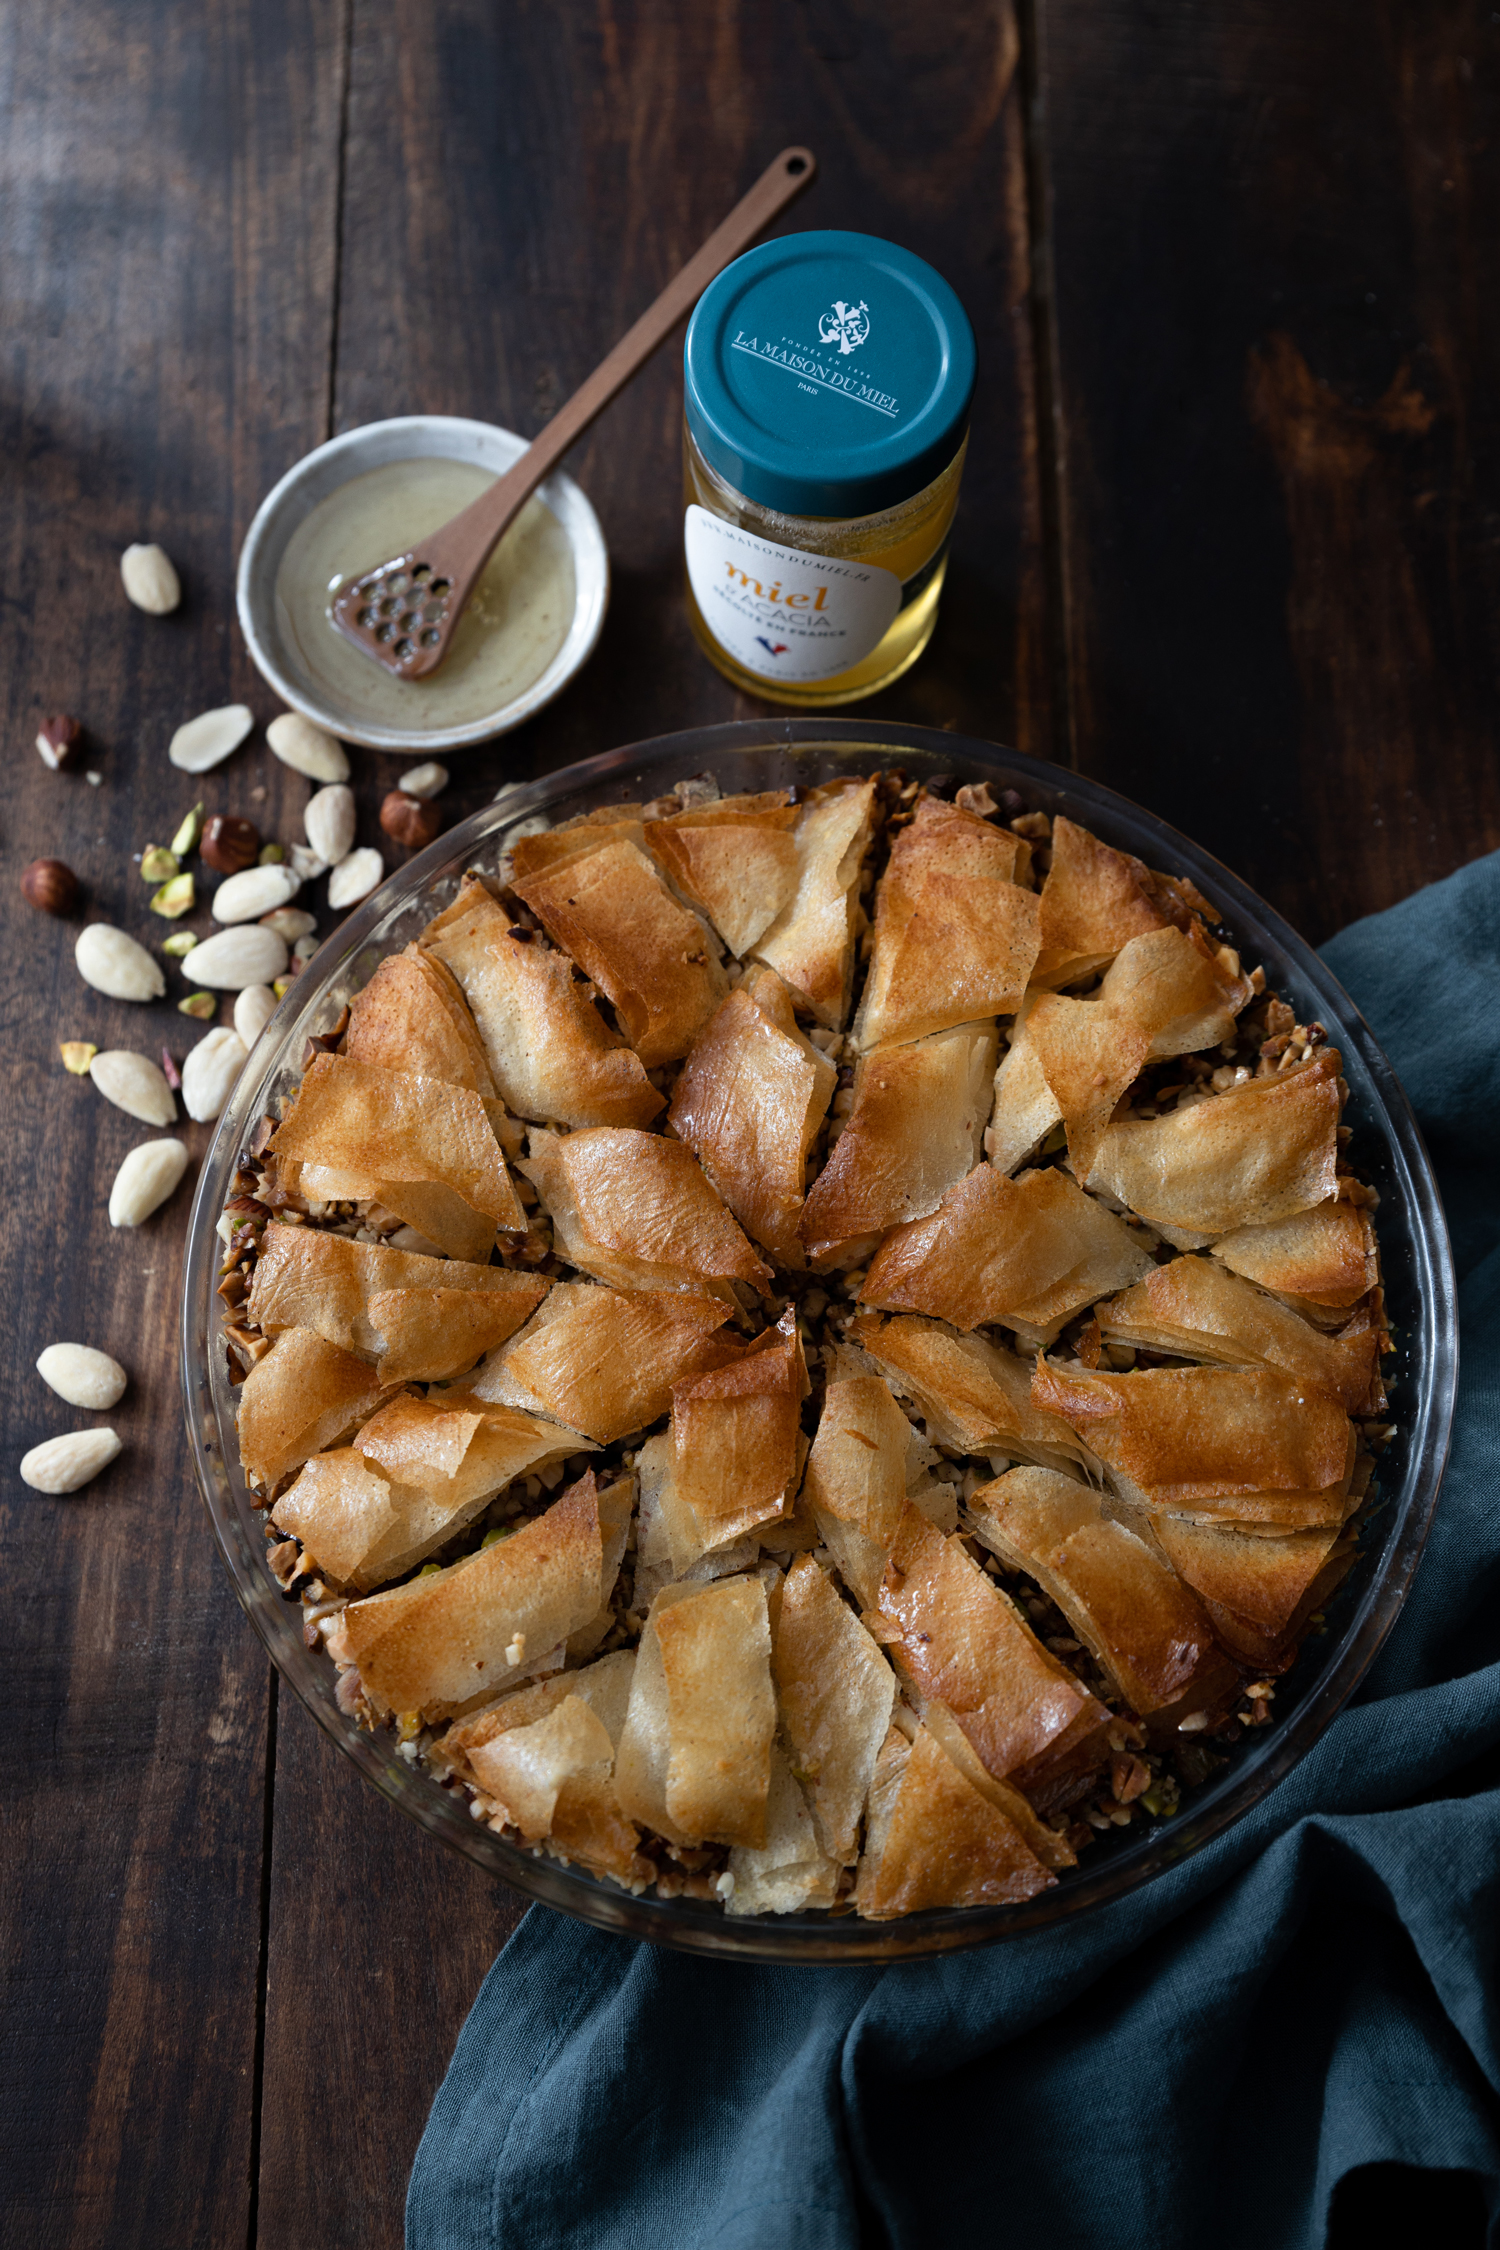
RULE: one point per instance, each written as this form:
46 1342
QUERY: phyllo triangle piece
545 1757
811 943
603 1685
604 1360
304 1394
1192 1308
1250 1445
1259 1592
962 1642
737 1439
695 1757
575 839
1027 1253
1163 994
972 1395
1095 900
835 1692
1260 1152
551 1054
656 962
1134 1615
936 1840
791 1873
955 933
424 1148
735 861
915 1128
1025 1107
636 1210
1323 1260
859 1473
423 1319
416 1474
440 1645
748 1102
412 1016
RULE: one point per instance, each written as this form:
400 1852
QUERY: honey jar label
783 613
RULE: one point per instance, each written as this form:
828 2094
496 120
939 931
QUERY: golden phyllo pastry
1259 1592
300 1396
604 1360
860 1472
956 935
1322 1260
937 1837
749 1102
550 1053
737 1443
441 1644
835 1691
811 943
735 861
1095 900
1262 1151
1025 1253
656 962
1191 1308
972 1394
1140 1623
412 1016
695 1756
636 1210
915 1128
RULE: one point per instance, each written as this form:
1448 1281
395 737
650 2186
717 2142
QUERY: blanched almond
209 1073
145 1180
329 821
247 953
207 740
306 748
291 922
424 781
354 878
82 1376
253 893
305 863
150 580
135 1084
62 1464
253 1010
114 964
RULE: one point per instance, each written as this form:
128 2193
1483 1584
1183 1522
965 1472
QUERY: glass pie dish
1386 1150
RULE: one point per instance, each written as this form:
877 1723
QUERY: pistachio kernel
203 1005
179 943
174 898
281 986
187 835
77 1054
272 855
157 864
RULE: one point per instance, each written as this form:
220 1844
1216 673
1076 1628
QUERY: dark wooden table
1228 542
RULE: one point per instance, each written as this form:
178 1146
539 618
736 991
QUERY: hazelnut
407 820
50 887
57 739
228 844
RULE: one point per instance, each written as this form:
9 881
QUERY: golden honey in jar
828 383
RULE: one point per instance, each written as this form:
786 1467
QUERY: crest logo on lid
846 325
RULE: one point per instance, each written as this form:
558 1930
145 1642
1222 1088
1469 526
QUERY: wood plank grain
167 262
1274 366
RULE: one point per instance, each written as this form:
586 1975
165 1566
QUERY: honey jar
828 380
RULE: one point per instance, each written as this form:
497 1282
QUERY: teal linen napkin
1201 2062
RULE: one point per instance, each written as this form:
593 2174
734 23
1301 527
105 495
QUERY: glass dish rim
693 1925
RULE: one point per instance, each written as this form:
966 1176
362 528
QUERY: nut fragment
207 740
329 821
209 1073
253 892
174 898
203 1005
409 821
253 1010
354 878
428 780
82 1376
233 958
306 748
150 581
305 864
178 944
272 855
290 922
170 1071
229 843
50 887
57 739
304 949
157 864
135 1084
114 964
145 1180
189 831
64 1463
77 1054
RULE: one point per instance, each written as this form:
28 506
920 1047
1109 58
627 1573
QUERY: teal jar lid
829 374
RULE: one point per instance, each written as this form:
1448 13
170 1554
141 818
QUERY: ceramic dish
408 437
1387 1151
